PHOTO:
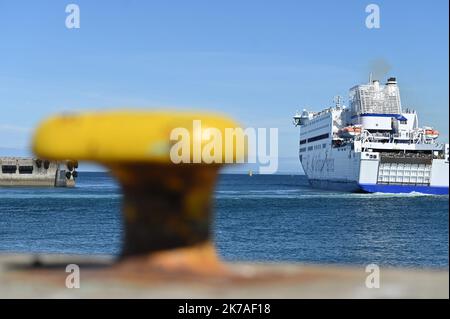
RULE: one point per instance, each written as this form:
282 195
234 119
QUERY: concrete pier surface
44 276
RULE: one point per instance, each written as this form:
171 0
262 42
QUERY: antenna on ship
337 100
370 78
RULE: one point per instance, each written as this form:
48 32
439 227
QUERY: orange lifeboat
431 133
350 131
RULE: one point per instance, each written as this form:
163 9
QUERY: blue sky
258 61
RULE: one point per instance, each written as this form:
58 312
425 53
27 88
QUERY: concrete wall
40 176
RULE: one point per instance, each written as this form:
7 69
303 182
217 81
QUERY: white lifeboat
350 131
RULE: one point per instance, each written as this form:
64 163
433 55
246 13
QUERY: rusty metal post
167 214
165 207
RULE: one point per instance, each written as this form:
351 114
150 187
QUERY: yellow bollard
167 206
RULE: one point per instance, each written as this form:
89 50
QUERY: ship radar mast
337 101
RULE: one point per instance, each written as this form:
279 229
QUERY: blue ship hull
396 189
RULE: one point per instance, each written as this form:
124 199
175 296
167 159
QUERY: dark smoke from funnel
379 68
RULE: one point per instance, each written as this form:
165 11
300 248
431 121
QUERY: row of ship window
311 122
316 129
315 138
12 169
315 147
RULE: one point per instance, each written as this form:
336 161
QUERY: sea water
257 218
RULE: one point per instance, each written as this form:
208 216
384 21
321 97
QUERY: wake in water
412 194
313 193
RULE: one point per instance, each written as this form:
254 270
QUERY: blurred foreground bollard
167 206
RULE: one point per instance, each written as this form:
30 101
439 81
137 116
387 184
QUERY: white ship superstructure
372 146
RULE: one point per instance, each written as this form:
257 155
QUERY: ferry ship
373 145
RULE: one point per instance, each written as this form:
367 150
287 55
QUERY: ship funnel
391 80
